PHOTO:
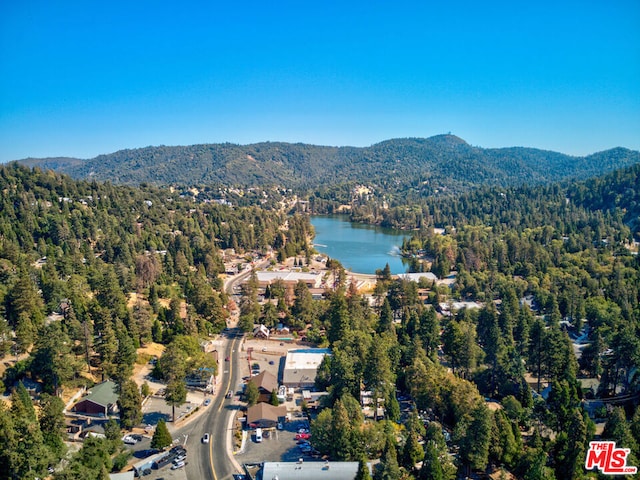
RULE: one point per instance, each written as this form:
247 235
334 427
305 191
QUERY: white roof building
301 366
310 470
415 277
313 280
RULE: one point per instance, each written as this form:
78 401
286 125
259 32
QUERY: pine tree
474 435
341 428
251 393
388 467
161 437
52 423
176 395
129 404
363 470
431 465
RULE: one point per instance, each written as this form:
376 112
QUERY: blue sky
84 78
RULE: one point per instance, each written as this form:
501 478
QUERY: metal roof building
310 470
101 400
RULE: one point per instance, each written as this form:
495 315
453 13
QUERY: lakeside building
289 278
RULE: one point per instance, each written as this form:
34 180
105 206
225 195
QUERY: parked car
129 440
207 401
229 394
178 465
178 450
205 438
303 436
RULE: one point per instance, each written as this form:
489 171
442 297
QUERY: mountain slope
441 161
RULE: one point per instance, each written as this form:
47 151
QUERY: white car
129 440
178 465
205 438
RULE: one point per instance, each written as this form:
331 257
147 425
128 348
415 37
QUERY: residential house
261 331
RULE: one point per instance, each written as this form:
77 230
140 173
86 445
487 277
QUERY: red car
303 436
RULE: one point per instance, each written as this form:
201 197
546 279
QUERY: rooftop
265 381
265 411
415 277
287 276
305 358
309 470
102 394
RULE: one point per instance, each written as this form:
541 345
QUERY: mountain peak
447 138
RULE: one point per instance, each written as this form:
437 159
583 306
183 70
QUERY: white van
258 435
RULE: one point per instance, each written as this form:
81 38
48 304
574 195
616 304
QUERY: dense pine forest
554 269
119 264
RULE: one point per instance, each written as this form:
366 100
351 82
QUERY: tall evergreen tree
129 404
161 437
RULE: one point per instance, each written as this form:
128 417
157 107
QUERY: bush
121 460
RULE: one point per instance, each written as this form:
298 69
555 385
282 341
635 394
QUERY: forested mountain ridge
125 261
439 162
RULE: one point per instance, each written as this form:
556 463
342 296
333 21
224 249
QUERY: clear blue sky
84 78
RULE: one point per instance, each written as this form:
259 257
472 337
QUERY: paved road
213 460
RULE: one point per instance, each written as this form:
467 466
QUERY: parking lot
279 445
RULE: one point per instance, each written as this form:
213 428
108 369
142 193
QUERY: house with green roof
100 400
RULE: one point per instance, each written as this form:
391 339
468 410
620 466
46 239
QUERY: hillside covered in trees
443 162
546 265
120 267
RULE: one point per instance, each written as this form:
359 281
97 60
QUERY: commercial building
289 278
301 367
265 415
101 400
310 470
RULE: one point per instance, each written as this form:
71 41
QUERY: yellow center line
215 477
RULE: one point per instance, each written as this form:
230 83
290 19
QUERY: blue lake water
360 248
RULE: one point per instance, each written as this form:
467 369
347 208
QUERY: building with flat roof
415 277
313 280
310 470
301 367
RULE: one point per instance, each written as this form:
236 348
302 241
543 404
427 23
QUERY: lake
360 248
